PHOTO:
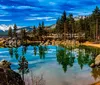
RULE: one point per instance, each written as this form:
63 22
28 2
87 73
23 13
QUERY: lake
58 65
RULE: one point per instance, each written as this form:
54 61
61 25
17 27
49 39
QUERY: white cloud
85 13
1 15
3 7
40 0
51 20
34 14
52 3
4 14
24 7
80 13
5 20
18 7
38 18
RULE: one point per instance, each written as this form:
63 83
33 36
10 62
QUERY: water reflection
85 56
23 66
35 50
16 53
11 52
65 58
24 50
42 51
95 72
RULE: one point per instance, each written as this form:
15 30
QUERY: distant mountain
4 28
51 26
29 28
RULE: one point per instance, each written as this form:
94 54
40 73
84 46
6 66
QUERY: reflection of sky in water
50 68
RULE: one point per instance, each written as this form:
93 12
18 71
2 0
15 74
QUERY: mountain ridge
4 28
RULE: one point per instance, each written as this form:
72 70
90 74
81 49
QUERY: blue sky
31 12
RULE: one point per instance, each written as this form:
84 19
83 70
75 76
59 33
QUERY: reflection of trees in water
16 53
11 52
22 61
65 58
24 50
42 51
90 50
35 50
23 66
95 72
85 56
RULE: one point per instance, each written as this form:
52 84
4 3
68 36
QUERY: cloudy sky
31 12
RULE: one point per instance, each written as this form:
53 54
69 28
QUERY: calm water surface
59 66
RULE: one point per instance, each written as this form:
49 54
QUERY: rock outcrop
96 62
8 76
12 42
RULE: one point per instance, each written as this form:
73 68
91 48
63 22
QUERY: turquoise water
59 66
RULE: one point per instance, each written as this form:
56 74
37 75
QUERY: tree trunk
96 29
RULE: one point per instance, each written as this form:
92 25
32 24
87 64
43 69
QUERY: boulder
97 60
5 64
8 76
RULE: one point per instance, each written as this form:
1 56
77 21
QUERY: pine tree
15 30
43 31
10 32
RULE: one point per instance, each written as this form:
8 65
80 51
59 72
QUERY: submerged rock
8 76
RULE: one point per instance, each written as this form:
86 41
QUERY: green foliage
42 50
23 36
10 32
89 25
15 29
65 58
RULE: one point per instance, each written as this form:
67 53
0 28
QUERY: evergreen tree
63 19
43 31
15 29
34 31
71 24
10 32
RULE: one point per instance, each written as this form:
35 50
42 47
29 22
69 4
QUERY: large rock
8 76
97 60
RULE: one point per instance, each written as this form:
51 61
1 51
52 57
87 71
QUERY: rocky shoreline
63 43
8 76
